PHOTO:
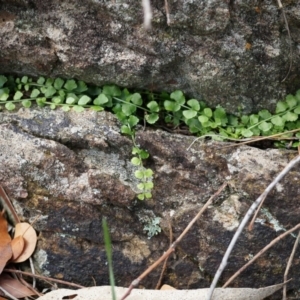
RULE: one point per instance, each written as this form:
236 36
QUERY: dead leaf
93 293
30 238
17 246
167 287
14 287
5 239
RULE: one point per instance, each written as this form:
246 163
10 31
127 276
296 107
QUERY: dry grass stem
158 285
272 243
167 12
248 215
7 294
44 278
250 227
290 39
289 264
147 13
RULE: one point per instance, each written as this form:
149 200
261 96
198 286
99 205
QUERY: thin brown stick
167 12
7 205
44 278
245 220
158 285
172 247
262 138
290 39
289 264
272 243
250 227
7 294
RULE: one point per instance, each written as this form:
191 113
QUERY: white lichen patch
228 213
279 187
255 161
136 250
41 259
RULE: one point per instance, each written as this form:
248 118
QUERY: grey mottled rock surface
74 169
233 53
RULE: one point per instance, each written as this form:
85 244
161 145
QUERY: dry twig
147 13
172 248
250 211
272 243
44 278
290 39
289 264
158 285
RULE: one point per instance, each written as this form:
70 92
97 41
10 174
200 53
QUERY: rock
233 53
73 169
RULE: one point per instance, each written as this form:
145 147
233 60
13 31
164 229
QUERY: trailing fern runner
132 108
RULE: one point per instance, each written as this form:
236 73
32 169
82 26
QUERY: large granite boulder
74 169
233 53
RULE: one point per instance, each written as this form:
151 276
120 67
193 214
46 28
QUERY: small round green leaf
136 99
148 173
126 130
48 91
24 79
41 80
65 107
3 79
171 106
208 112
291 101
247 132
194 104
189 114
135 161
141 196
132 121
153 106
97 108
254 119
143 153
101 99
58 83
152 118
71 98
4 94
41 101
112 90
297 110
178 97
264 114
26 103
128 109
70 85
84 100
10 106
148 185
148 195
78 108
265 126
290 116
203 119
281 106
81 87
18 95
34 93
278 121
141 186
139 174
